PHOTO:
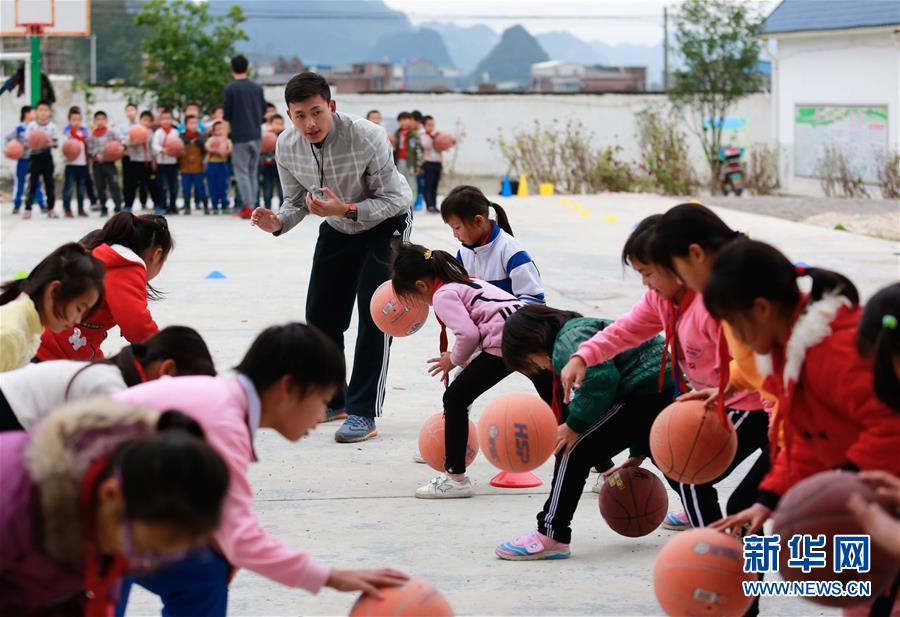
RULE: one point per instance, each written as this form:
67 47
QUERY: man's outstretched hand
266 220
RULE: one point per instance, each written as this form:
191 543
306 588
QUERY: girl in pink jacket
692 336
284 382
475 312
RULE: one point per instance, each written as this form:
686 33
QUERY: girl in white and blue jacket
489 251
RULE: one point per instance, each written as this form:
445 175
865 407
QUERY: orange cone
508 479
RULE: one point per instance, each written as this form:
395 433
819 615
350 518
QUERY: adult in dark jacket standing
244 105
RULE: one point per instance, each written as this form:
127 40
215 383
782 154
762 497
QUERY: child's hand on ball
366 581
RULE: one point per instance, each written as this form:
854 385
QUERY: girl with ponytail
58 292
134 250
29 394
475 311
878 337
489 251
827 411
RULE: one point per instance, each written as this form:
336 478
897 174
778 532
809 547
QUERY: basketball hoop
34 29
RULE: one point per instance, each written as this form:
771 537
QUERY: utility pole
35 68
665 79
93 59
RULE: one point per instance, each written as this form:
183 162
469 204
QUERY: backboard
57 17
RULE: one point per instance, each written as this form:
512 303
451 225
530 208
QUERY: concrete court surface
352 505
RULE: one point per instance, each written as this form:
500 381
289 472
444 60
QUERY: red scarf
191 135
100 588
100 132
77 134
167 130
673 313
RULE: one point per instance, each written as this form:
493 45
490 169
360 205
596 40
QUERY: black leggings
8 419
481 374
40 168
701 501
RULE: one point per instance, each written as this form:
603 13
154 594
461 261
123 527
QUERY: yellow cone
611 218
523 186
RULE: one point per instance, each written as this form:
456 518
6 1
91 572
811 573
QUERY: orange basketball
431 442
38 139
633 501
14 150
138 135
443 141
818 505
113 151
517 432
416 598
218 146
173 145
690 444
699 572
268 141
71 149
396 316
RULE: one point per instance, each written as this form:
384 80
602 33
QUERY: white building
556 76
835 80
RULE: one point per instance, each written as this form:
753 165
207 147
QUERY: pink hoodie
228 410
475 316
697 335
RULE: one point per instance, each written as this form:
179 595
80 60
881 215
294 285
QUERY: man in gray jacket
341 168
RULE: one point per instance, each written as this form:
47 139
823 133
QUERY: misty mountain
467 45
511 58
405 46
568 48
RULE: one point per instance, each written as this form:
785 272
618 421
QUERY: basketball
14 150
138 135
416 598
71 149
443 141
113 151
517 432
218 146
396 316
38 139
633 501
268 141
689 443
173 145
431 442
699 572
818 505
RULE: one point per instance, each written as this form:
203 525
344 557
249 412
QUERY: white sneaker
417 458
445 487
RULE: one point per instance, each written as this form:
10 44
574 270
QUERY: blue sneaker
356 428
333 414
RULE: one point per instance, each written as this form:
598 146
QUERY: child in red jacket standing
134 250
805 346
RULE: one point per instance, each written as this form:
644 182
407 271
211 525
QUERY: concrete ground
352 505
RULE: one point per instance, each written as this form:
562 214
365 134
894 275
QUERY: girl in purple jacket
475 312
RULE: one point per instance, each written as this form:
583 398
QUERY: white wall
833 69
609 117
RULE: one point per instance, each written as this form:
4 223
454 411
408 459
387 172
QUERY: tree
718 44
187 50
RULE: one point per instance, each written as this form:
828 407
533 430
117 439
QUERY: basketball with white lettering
818 506
517 432
394 315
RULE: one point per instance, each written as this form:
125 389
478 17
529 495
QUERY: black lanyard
320 165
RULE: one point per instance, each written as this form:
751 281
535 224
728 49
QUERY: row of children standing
148 170
415 154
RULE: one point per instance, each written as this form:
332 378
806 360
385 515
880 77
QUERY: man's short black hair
239 64
306 85
403 115
416 115
99 113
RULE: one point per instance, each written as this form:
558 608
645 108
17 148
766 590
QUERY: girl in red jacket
134 250
806 352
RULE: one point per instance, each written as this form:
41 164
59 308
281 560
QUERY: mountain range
329 33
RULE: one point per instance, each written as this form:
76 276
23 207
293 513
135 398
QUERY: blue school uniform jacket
502 261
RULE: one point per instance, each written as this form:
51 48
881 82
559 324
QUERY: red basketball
443 141
818 505
71 149
268 141
38 139
690 444
113 151
396 316
173 145
14 150
431 442
699 572
633 501
138 135
517 432
416 598
218 146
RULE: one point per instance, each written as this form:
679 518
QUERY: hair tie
801 270
889 322
427 255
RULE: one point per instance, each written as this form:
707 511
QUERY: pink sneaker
676 521
532 547
26 214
